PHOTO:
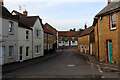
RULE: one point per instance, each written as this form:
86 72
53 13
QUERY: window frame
27 51
27 35
113 22
11 56
11 27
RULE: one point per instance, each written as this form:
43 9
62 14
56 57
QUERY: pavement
105 67
18 65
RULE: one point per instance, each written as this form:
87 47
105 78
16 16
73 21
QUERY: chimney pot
109 1
25 13
1 2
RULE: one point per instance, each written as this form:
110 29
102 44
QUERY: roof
18 13
29 20
4 13
67 33
46 30
50 26
87 31
110 7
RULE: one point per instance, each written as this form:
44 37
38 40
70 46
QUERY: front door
2 55
91 48
69 43
21 54
110 51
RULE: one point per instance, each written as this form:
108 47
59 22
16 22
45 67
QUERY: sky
61 14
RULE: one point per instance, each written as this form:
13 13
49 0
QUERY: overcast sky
61 14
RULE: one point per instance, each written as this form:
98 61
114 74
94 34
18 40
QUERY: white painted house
8 36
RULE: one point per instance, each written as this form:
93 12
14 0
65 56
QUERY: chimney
1 2
109 1
25 13
85 26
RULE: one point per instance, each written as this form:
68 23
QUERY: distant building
54 36
67 38
86 41
48 40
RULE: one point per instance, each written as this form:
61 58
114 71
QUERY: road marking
71 65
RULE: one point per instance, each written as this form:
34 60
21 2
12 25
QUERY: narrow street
67 65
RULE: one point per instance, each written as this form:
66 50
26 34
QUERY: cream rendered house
24 42
35 23
8 37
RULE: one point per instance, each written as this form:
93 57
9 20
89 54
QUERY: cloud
55 0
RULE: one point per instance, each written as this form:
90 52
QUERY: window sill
11 34
10 57
112 29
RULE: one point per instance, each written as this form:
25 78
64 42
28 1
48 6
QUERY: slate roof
110 7
87 31
68 33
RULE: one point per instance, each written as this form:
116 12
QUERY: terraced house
67 38
54 36
86 41
8 36
107 33
48 40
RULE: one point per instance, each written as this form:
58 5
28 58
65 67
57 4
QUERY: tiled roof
4 13
46 30
109 7
87 31
29 20
67 33
18 13
50 26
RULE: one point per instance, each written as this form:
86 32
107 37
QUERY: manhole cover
71 65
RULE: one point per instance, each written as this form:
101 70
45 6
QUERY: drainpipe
98 40
32 43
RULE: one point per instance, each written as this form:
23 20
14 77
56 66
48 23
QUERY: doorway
110 52
21 54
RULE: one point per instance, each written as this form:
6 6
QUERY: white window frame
73 37
11 27
27 35
37 33
73 42
113 21
37 49
27 51
11 51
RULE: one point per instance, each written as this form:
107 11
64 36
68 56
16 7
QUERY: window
60 38
50 46
27 35
45 46
50 37
45 36
27 51
113 21
10 27
37 49
37 33
73 37
73 42
66 42
10 51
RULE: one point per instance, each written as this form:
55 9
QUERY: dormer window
112 21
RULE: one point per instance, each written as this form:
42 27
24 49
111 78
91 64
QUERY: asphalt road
67 65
